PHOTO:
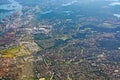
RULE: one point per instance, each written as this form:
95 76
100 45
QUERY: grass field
15 51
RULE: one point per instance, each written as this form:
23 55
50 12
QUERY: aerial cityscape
59 39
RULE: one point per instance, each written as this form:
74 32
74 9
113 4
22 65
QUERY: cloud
117 15
46 12
114 3
70 3
111 0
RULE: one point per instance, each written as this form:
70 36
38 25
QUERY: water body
14 6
